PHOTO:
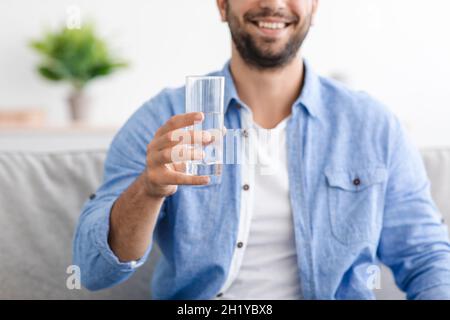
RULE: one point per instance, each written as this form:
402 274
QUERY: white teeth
271 25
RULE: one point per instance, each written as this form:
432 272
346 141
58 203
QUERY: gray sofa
41 194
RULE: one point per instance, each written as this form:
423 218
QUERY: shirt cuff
100 238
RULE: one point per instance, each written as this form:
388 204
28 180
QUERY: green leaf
75 55
50 74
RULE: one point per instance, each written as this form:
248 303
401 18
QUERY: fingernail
199 116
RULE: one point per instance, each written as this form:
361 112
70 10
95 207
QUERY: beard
260 55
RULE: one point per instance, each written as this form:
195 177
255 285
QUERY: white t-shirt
264 264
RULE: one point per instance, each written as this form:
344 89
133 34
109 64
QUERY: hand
167 152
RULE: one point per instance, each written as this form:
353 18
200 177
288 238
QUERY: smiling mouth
271 25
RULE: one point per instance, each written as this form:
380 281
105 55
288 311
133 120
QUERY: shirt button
219 295
245 133
356 182
246 187
240 244
92 196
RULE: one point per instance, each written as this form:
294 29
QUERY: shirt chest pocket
355 203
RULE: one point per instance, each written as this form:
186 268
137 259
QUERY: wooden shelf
55 138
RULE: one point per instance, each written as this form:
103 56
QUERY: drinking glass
206 94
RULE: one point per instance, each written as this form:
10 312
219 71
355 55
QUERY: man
350 187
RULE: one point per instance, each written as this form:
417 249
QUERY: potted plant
76 56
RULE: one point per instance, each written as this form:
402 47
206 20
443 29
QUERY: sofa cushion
437 163
40 201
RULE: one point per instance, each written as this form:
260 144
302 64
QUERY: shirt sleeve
125 161
414 241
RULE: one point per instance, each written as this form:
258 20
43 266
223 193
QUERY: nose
273 4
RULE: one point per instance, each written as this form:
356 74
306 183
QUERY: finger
179 153
178 178
179 166
180 121
179 137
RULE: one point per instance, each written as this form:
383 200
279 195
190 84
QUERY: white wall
398 51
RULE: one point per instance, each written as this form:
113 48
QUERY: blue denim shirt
358 189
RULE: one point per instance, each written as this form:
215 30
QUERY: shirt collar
231 95
309 98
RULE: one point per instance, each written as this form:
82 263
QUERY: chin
270 51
